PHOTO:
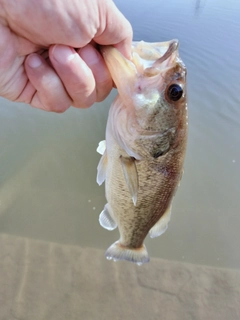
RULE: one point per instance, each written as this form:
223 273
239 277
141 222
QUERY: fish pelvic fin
161 226
119 252
131 176
106 220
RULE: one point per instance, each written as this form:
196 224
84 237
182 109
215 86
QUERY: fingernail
34 61
63 53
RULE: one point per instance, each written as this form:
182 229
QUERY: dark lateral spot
158 154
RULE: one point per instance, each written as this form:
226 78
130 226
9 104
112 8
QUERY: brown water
48 161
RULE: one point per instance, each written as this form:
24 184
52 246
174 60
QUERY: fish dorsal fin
161 226
102 168
131 176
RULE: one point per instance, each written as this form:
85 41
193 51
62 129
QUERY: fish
145 144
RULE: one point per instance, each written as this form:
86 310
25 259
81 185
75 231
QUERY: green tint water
48 161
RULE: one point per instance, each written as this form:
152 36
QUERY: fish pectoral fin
119 252
102 168
161 226
106 220
180 177
131 176
101 147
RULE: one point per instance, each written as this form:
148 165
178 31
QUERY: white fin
101 169
180 178
118 252
131 176
161 226
105 219
101 147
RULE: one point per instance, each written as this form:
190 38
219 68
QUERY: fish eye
174 92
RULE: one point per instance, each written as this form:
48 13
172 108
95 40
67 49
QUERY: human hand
38 62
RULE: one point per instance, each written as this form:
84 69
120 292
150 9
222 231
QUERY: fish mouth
169 56
156 52
157 58
148 61
173 47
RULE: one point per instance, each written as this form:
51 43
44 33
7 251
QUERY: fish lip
166 61
153 50
120 68
173 47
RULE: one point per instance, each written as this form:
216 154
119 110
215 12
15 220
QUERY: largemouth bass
143 154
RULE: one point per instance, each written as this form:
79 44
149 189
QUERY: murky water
48 161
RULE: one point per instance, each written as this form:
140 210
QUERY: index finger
116 31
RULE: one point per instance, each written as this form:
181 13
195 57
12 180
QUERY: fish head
151 85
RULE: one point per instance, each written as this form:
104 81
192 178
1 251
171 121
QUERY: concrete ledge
40 280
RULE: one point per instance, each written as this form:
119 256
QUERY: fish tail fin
119 252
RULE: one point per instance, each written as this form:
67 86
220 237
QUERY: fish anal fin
131 176
102 168
161 226
106 220
119 252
